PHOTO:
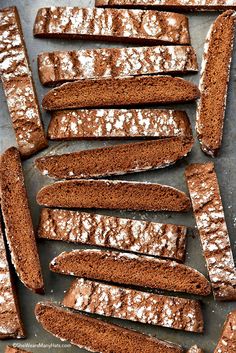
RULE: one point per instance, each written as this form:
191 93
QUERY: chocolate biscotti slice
61 66
11 325
131 269
11 349
118 123
195 349
18 221
113 194
133 26
180 5
127 304
208 209
113 160
125 91
164 240
16 77
214 83
96 335
227 342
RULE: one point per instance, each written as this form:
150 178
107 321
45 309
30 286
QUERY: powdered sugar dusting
165 240
204 4
208 209
195 349
117 23
114 62
17 83
98 123
9 320
123 303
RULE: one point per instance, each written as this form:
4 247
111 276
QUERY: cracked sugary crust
183 5
195 349
118 123
10 349
96 335
113 194
164 240
127 304
120 91
112 24
131 269
215 73
116 160
227 342
10 321
18 222
18 85
209 214
60 66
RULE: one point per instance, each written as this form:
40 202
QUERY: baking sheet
214 313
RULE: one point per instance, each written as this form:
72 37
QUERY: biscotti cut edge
116 160
122 268
18 85
59 195
128 304
210 117
19 228
125 91
100 336
164 240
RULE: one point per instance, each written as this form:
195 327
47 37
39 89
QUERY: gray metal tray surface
214 312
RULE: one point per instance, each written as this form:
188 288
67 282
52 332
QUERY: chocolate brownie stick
117 123
214 82
227 342
132 26
131 269
18 221
164 240
18 85
127 304
96 335
137 90
209 214
180 5
112 194
11 325
119 159
60 66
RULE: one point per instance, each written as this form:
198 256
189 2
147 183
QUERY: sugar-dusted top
18 85
175 3
165 240
10 325
227 342
103 299
112 23
208 210
59 66
118 123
